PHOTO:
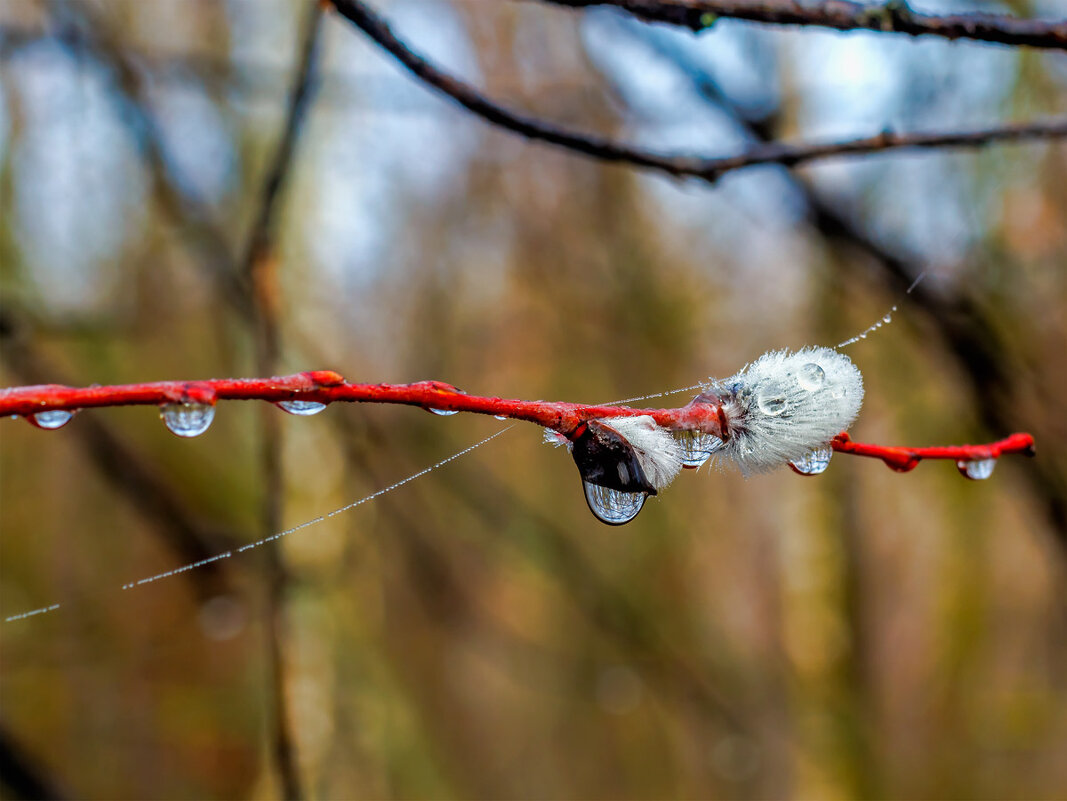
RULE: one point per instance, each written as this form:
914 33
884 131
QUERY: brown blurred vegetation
476 633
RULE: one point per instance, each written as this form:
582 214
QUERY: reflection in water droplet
811 376
51 420
444 412
815 462
976 469
771 400
611 506
302 408
697 447
187 419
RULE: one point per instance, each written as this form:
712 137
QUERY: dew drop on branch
612 506
771 400
187 419
976 469
444 412
814 462
301 408
697 447
811 377
52 419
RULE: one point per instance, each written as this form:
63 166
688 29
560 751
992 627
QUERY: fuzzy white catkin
785 405
658 452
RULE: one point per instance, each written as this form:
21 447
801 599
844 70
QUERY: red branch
325 386
904 459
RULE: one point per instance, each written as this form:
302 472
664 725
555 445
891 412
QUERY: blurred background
476 632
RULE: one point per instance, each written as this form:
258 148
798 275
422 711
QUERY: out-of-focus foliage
477 632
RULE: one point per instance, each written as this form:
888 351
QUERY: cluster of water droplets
615 507
183 418
886 320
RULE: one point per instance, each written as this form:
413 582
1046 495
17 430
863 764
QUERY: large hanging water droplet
771 400
301 408
187 419
697 447
52 419
500 417
445 412
612 506
815 462
976 469
811 377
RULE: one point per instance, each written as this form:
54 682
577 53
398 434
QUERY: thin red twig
904 459
326 386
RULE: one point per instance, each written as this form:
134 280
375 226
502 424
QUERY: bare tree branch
21 775
258 268
893 16
80 28
706 168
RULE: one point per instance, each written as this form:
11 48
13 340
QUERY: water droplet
771 400
612 506
697 447
500 417
444 412
811 376
815 462
976 469
888 318
187 419
51 420
302 408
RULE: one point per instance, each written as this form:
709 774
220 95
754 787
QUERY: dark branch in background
20 774
706 168
80 29
258 271
261 238
890 17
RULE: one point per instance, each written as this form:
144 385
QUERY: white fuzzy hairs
656 449
784 405
778 410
